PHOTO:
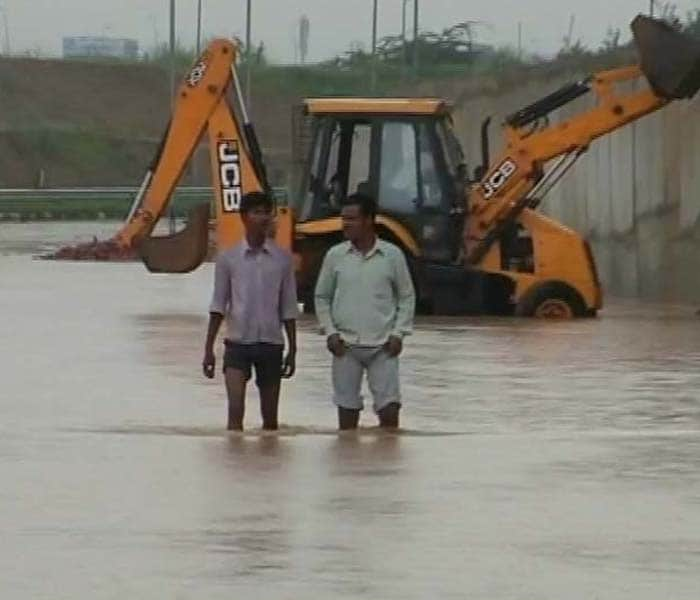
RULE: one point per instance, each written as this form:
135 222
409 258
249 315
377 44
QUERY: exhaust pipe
670 59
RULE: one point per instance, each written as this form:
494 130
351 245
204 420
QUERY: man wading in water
365 303
254 289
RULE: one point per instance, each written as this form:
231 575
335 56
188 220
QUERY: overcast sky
39 25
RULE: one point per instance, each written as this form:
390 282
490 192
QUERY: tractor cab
402 152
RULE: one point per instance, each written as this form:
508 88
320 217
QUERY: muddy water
538 460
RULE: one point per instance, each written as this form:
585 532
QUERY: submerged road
538 460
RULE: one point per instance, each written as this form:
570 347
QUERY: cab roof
377 106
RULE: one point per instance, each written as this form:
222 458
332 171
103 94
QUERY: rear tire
552 300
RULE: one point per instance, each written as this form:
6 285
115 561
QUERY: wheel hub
554 308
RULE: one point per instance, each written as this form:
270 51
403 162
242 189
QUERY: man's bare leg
389 416
348 418
235 390
269 403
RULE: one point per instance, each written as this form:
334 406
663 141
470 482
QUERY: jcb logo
498 178
230 174
197 73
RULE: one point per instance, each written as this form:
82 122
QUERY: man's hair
253 200
367 204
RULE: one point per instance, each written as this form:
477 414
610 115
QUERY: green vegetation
83 207
86 151
110 205
452 53
101 122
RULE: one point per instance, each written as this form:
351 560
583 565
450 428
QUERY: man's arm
323 296
289 312
290 360
209 362
323 300
221 298
406 297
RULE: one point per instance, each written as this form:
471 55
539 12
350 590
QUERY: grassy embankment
102 124
103 120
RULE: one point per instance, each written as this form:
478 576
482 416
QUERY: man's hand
393 346
209 364
336 345
289 365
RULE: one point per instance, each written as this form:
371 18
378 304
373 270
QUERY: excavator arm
520 178
236 162
196 100
203 105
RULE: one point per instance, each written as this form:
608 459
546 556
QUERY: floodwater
538 460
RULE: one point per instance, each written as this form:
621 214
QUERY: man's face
257 221
355 224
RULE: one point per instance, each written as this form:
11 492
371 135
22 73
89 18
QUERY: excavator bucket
669 58
181 252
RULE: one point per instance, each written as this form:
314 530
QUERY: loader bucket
669 59
181 252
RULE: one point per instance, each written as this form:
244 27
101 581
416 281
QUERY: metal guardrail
37 204
116 192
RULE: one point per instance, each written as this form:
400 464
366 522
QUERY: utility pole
172 55
415 35
569 39
304 28
199 26
520 40
374 46
651 8
6 29
171 220
403 32
195 162
156 39
247 54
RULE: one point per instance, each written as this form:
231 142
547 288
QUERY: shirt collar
373 250
266 247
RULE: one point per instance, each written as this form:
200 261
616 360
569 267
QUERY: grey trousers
382 377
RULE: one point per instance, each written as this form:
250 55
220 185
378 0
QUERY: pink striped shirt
255 290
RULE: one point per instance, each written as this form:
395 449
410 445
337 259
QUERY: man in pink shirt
255 291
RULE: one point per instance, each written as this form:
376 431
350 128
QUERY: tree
453 45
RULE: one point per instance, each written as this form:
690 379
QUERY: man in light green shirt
365 303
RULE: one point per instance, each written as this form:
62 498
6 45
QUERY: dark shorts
266 358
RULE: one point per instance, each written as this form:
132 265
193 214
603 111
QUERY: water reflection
262 450
368 453
536 460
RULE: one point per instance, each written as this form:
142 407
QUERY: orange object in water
104 250
476 245
201 108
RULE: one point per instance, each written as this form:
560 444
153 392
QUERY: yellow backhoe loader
474 245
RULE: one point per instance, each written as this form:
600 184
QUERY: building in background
92 46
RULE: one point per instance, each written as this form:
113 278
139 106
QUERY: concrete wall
635 194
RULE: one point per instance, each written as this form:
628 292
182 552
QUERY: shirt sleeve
323 295
406 297
221 298
288 294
